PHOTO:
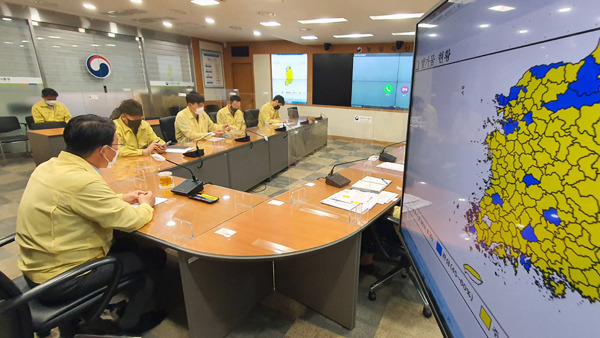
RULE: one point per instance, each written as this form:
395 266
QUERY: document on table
371 184
352 200
391 166
157 201
178 149
410 202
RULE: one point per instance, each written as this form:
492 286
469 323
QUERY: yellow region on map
289 75
541 208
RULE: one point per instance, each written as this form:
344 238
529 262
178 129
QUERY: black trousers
149 262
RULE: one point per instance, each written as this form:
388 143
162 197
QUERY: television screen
502 184
290 77
332 79
381 80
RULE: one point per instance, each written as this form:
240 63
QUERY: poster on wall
212 69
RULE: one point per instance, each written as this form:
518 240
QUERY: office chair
251 117
394 251
211 108
29 121
47 125
10 124
167 126
213 116
21 314
292 113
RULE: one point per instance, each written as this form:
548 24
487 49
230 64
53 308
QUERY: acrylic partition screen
502 193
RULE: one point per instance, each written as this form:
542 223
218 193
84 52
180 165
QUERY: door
243 79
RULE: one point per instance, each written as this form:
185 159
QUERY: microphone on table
261 135
187 187
243 139
338 180
198 152
385 157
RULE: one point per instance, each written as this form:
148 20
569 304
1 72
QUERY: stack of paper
178 149
371 184
391 166
411 202
358 201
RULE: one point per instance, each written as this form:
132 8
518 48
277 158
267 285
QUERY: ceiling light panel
501 8
205 2
322 20
399 16
270 23
353 36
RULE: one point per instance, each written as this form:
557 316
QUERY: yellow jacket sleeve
67 114
100 204
221 116
37 114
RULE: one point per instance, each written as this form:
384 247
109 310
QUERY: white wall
386 126
262 79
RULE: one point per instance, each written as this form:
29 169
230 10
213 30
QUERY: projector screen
502 182
290 77
381 80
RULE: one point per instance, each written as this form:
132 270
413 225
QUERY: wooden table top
48 132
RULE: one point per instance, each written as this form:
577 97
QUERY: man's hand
132 197
218 133
150 148
226 127
146 197
161 148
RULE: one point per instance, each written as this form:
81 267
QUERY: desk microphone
338 180
261 135
385 157
187 187
198 152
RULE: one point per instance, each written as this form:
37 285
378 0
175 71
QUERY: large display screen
503 159
290 77
381 80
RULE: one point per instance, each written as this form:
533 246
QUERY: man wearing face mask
135 135
48 109
67 216
269 112
232 115
193 123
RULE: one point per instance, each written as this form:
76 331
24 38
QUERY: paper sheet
157 201
178 150
391 166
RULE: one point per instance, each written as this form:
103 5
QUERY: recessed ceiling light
270 23
167 24
256 33
136 1
523 31
426 25
404 33
35 23
95 45
7 19
565 9
8 42
89 6
399 16
53 37
24 41
205 2
309 37
209 20
40 38
81 30
433 35
353 36
110 45
73 45
501 8
55 46
322 20
485 25
111 35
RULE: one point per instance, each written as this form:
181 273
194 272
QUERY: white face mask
50 102
200 110
114 160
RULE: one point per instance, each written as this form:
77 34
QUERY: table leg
325 280
218 294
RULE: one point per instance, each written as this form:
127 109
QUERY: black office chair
29 121
173 110
292 113
47 125
21 314
211 108
251 117
390 247
167 126
213 116
10 124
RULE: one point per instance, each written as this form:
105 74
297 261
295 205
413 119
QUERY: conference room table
232 254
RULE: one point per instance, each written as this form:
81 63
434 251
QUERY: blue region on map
529 234
541 71
530 180
513 95
496 199
510 126
583 92
528 118
552 216
526 262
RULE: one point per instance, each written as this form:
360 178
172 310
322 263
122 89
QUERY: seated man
269 112
232 115
135 135
193 123
48 110
67 216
